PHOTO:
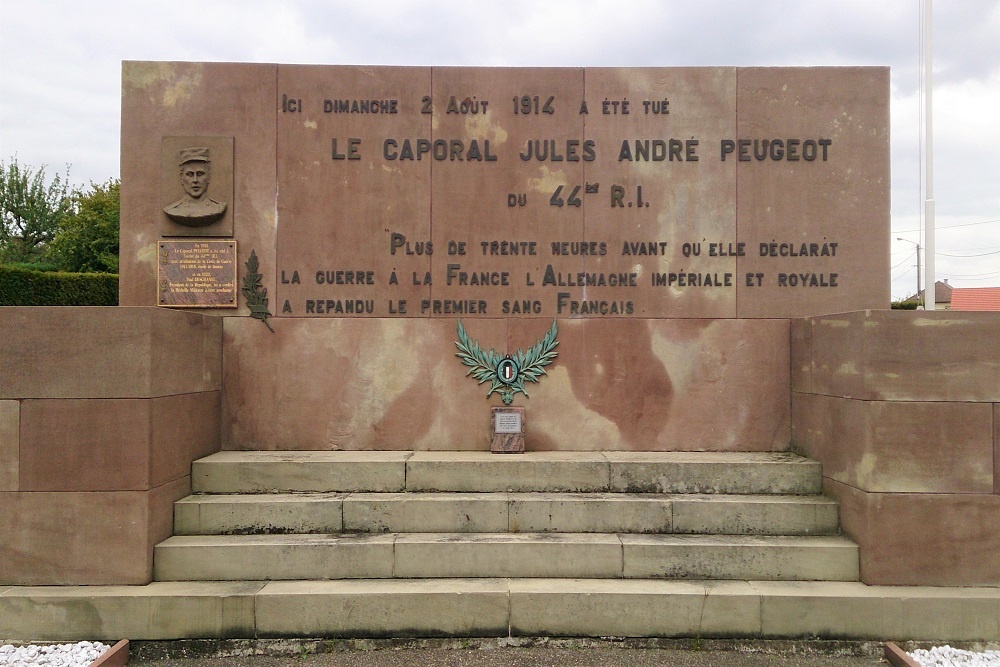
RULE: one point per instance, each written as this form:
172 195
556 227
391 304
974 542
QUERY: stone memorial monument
667 286
669 220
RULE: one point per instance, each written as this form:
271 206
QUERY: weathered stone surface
623 608
754 515
680 384
503 512
85 445
821 609
845 106
852 610
259 513
112 353
9 445
162 99
800 365
898 446
996 448
922 539
589 513
266 472
763 558
341 214
407 390
485 472
482 607
249 557
373 172
463 187
183 428
180 610
899 356
925 611
160 521
713 472
75 538
687 198
508 555
391 608
677 385
956 353
426 513
99 453
114 444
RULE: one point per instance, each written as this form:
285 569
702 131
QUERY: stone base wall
903 410
618 384
102 411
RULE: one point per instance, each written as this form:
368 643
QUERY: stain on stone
614 372
175 82
406 418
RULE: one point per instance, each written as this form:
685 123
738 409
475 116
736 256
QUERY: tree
87 239
31 211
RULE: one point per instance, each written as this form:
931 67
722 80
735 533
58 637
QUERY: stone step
480 472
500 608
446 555
434 512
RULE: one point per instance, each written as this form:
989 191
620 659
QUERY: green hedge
23 287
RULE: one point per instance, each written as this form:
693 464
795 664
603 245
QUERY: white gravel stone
946 656
55 655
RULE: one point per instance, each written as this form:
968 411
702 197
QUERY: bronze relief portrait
197 186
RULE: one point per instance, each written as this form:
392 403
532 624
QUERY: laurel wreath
254 292
484 365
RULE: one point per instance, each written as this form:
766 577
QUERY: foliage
905 305
485 366
532 362
42 265
254 292
23 287
87 239
31 210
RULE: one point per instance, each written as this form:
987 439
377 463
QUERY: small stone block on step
508 430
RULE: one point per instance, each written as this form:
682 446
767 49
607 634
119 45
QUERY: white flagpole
930 280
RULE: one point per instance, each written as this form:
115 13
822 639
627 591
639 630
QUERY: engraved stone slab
197 274
523 193
508 430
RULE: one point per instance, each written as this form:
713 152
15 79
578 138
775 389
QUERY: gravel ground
79 654
510 653
492 653
946 656
524 657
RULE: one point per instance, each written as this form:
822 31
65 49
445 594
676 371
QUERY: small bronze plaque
196 274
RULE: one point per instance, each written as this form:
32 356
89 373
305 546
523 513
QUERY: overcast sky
60 74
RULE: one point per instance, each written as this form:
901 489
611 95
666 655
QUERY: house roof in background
975 298
942 293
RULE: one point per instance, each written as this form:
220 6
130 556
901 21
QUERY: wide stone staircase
471 543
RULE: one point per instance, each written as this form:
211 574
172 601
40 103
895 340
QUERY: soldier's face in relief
194 178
